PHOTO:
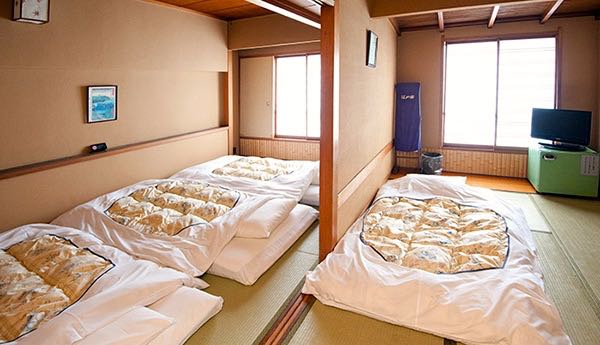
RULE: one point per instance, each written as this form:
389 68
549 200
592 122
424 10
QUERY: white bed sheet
139 326
311 197
292 185
496 306
130 285
169 321
191 251
246 259
199 308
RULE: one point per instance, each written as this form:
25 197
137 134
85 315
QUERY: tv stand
563 172
557 145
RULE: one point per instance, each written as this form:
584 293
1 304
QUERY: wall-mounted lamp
31 11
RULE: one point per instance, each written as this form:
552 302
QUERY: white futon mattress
246 259
504 305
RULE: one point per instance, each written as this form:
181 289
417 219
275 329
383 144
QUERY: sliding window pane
470 95
290 100
527 80
313 93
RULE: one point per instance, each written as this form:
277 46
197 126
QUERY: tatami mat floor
249 311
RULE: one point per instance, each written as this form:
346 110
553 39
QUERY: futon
438 256
59 285
246 259
182 224
288 178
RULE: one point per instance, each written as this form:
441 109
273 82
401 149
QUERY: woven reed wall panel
282 149
472 162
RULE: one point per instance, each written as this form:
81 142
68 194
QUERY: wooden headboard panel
41 192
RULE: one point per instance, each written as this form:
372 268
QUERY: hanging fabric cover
408 117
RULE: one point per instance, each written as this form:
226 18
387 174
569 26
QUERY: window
298 96
491 87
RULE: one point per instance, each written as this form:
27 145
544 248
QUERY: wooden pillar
329 128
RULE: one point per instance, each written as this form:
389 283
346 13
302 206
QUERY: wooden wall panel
472 162
283 149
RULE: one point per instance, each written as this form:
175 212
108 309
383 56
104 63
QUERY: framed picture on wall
371 49
102 103
31 11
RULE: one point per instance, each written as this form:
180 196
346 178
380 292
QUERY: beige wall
366 94
366 104
42 196
170 66
420 59
167 63
270 30
256 97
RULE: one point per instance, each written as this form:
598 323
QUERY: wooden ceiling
236 9
488 15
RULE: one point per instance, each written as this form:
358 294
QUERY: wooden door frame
328 193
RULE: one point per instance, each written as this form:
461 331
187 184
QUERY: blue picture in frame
102 103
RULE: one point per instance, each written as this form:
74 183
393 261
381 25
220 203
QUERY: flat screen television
567 129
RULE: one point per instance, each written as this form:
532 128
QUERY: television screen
566 126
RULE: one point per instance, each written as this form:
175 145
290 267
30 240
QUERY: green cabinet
563 172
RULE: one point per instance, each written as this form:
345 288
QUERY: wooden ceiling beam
551 11
493 16
291 10
440 16
395 8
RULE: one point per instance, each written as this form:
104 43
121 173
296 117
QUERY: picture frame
372 49
102 103
31 11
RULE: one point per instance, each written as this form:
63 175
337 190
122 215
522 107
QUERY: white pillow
315 179
260 223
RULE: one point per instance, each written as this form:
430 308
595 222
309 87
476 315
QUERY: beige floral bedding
41 277
436 235
169 207
263 169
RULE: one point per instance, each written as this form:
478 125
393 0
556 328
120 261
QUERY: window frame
291 137
497 39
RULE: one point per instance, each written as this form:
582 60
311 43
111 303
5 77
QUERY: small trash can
431 163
